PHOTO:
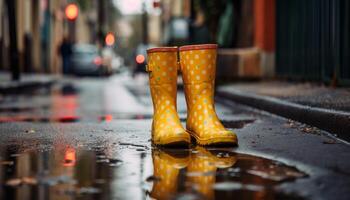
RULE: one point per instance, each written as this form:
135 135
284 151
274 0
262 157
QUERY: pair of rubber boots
198 67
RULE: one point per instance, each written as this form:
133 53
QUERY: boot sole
176 143
218 141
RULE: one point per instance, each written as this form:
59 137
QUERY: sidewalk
27 82
324 107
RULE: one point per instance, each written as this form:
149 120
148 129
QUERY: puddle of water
217 174
101 172
67 173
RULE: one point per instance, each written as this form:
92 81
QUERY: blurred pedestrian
66 54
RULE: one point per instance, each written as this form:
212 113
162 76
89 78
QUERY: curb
335 122
20 86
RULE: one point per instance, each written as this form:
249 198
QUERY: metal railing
313 40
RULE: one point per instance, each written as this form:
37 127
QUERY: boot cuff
162 49
198 47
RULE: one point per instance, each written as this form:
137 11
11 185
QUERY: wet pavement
90 139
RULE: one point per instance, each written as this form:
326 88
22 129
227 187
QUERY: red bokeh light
108 118
140 59
110 39
72 11
98 61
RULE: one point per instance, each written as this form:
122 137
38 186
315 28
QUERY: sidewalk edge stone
335 122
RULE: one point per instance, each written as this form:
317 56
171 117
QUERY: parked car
87 62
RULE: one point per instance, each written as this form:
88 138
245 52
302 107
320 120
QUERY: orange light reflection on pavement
69 157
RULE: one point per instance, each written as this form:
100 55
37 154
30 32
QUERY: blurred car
86 61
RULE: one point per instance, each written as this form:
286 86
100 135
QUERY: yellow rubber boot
166 126
202 170
166 168
198 65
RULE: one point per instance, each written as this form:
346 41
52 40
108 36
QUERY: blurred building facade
303 40
39 30
41 26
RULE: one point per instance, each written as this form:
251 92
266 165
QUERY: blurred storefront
243 29
301 40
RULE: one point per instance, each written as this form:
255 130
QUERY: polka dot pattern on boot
166 125
198 73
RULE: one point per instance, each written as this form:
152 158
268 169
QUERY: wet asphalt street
89 138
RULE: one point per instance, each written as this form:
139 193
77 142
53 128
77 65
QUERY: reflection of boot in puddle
202 169
167 165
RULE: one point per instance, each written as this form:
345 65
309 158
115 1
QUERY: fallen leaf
329 142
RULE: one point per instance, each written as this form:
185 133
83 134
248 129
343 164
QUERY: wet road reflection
217 174
96 172
68 103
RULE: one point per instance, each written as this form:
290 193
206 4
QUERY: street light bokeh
110 39
140 59
72 11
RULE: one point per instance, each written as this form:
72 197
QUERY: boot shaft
163 70
198 66
198 63
162 65
166 126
